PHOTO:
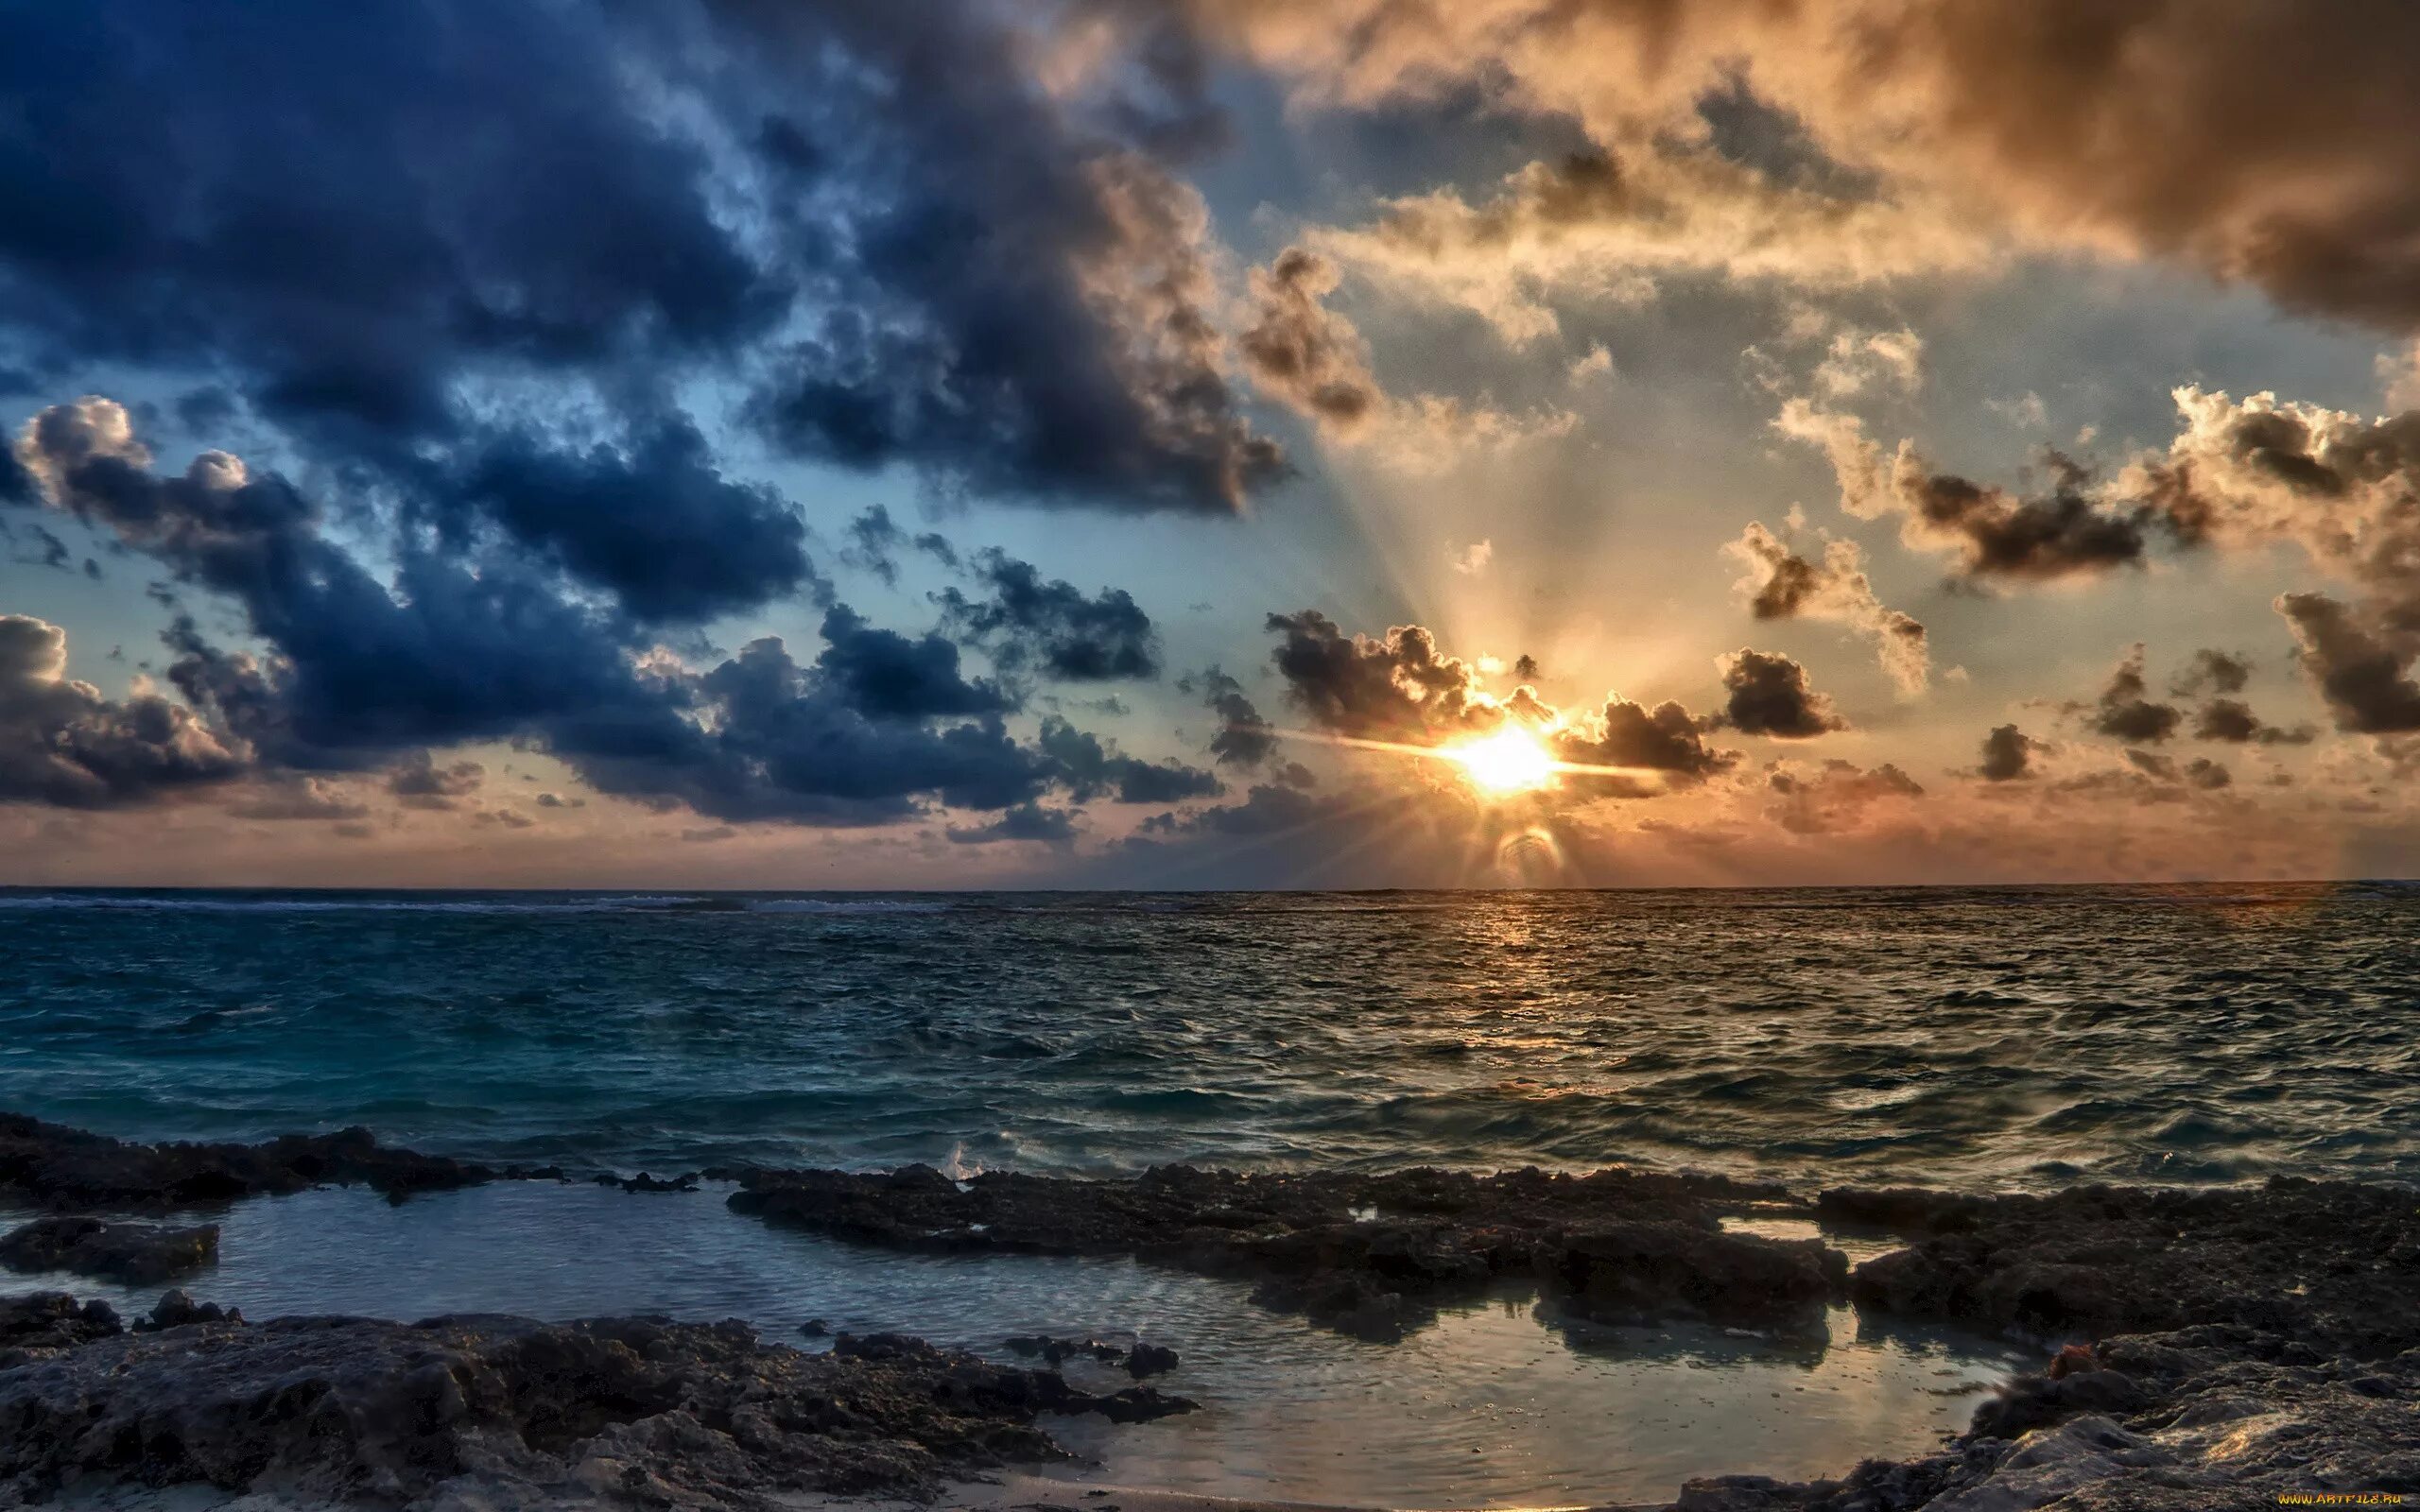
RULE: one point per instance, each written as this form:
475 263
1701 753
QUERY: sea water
1984 1039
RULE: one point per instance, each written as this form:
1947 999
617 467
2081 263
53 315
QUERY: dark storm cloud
2066 531
1269 809
343 211
63 744
1666 739
874 542
1090 767
1791 582
1299 351
1768 694
1785 585
2214 671
2248 473
355 671
457 649
1051 628
2232 720
1782 584
2201 772
2365 679
1020 298
2269 143
1397 688
2054 535
655 521
2125 713
1244 738
2265 142
771 739
419 783
1027 822
889 675
2007 754
347 216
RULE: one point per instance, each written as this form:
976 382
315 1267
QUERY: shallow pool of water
1490 1406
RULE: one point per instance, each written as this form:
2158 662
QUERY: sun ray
1459 752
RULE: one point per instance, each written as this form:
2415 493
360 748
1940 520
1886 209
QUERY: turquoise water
1989 1037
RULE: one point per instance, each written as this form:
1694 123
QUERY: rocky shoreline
2210 1347
505 1410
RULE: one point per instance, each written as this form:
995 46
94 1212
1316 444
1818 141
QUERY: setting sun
1512 760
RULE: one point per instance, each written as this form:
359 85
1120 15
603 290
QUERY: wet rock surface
1139 1360
138 1254
2211 1424
2246 1345
1145 1360
177 1309
1371 1256
1638 1273
64 1169
1057 1351
40 1324
2210 1347
500 1411
2320 1261
644 1182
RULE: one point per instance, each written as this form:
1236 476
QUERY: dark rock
1634 1273
1141 1405
815 1328
1748 1493
1150 1359
2037 1401
643 1182
40 1323
2071 1359
177 1309
136 1253
68 1169
1896 1209
505 1410
1447 1234
1058 1351
2333 1265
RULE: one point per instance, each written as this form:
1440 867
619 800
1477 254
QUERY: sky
1140 443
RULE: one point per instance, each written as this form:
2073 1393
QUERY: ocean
1987 1038
1983 1039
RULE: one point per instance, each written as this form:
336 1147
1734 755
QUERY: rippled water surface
1977 1037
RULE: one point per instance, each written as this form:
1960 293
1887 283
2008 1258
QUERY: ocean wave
2111 1032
